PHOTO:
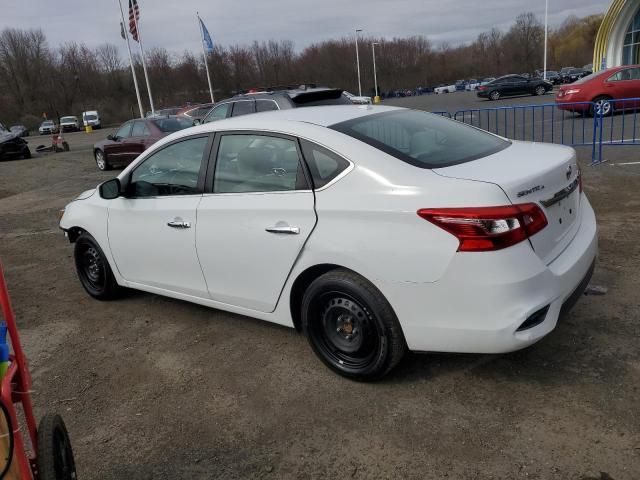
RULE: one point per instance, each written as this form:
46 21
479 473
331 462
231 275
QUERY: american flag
134 17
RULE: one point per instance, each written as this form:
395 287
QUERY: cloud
172 23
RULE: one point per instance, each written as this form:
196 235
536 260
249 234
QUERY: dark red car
133 138
601 88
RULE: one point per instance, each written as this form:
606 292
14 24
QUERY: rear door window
265 105
243 107
257 163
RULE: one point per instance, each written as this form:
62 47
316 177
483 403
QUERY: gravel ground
154 388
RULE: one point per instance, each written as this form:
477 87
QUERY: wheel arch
302 282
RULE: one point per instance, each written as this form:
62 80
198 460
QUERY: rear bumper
572 105
483 299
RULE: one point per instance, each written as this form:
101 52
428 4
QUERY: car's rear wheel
495 95
101 160
602 106
93 269
540 90
351 326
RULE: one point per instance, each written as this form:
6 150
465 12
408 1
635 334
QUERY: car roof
323 116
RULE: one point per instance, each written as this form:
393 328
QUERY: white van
91 117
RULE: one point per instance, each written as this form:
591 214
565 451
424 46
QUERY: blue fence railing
595 124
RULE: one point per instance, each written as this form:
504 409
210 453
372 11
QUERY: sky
172 23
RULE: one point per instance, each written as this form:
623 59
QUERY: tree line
37 79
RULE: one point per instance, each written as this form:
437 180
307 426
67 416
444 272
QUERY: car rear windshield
422 139
318 98
590 77
172 124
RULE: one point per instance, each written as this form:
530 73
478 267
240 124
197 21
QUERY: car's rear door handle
178 224
286 230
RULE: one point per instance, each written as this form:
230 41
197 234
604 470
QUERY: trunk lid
534 172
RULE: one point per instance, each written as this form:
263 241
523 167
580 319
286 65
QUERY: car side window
323 164
243 107
138 129
218 113
257 163
265 105
635 73
124 131
174 170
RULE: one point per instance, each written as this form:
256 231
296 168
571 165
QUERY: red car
133 138
601 88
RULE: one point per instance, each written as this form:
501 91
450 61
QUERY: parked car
277 100
195 112
48 127
552 76
445 89
362 227
510 85
20 130
69 124
602 88
91 118
133 138
472 85
12 145
358 100
574 74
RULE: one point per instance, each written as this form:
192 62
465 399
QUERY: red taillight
482 88
488 228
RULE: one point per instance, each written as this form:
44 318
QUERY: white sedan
445 89
374 230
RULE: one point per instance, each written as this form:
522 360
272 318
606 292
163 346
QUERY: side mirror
197 122
111 137
110 189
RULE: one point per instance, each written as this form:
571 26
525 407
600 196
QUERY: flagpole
204 55
144 64
133 71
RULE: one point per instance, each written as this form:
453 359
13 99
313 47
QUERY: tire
539 91
93 269
26 153
601 102
101 160
351 326
495 95
55 455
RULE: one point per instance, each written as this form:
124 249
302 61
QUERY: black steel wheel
351 326
55 455
93 269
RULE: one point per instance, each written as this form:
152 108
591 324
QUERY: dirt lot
156 388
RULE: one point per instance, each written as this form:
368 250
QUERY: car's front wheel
540 90
101 160
351 326
93 269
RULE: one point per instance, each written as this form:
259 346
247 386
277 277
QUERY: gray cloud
172 23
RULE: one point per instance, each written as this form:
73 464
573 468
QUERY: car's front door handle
284 230
178 224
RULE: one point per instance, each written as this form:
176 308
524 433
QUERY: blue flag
206 38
